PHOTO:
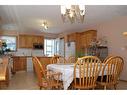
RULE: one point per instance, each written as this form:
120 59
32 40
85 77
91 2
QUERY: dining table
67 71
4 71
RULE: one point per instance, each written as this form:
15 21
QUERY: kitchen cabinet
70 37
27 41
82 39
22 41
87 37
19 63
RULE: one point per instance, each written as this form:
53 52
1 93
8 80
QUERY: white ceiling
29 18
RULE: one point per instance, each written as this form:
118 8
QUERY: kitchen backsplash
29 52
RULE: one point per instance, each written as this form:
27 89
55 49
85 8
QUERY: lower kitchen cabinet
19 63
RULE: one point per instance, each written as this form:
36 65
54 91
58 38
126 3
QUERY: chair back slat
46 79
112 69
72 59
39 69
54 59
86 71
61 60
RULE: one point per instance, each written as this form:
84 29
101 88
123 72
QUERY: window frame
51 46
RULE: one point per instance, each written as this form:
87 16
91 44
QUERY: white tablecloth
67 71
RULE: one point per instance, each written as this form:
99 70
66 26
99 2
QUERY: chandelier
45 25
73 13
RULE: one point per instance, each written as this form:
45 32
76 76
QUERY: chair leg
115 86
105 87
40 87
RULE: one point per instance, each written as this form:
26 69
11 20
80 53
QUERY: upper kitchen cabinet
87 37
82 39
27 41
70 37
22 41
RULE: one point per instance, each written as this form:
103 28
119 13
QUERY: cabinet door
23 63
29 43
19 63
16 65
22 41
88 39
34 39
41 39
90 36
84 41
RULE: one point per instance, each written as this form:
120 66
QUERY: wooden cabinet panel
27 41
35 40
23 63
22 41
81 39
19 63
90 35
40 39
70 37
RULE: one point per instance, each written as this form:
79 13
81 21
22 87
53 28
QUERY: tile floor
27 81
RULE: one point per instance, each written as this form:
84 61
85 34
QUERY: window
10 41
49 47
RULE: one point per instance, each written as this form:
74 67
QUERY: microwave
38 46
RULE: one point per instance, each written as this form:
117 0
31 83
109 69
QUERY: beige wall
117 43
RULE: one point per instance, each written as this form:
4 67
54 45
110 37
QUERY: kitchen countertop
31 56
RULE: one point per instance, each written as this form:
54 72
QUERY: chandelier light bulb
73 13
68 6
45 25
63 9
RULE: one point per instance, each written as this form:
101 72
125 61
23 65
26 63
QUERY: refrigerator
69 49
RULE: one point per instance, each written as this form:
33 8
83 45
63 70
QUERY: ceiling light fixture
125 33
45 25
73 13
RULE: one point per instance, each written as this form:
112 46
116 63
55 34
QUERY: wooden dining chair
54 59
4 63
86 71
61 60
46 79
111 72
108 57
72 59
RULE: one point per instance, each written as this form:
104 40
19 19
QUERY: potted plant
3 46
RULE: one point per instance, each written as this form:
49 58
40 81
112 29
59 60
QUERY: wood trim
30 35
123 80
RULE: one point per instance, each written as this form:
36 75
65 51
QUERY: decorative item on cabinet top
98 47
